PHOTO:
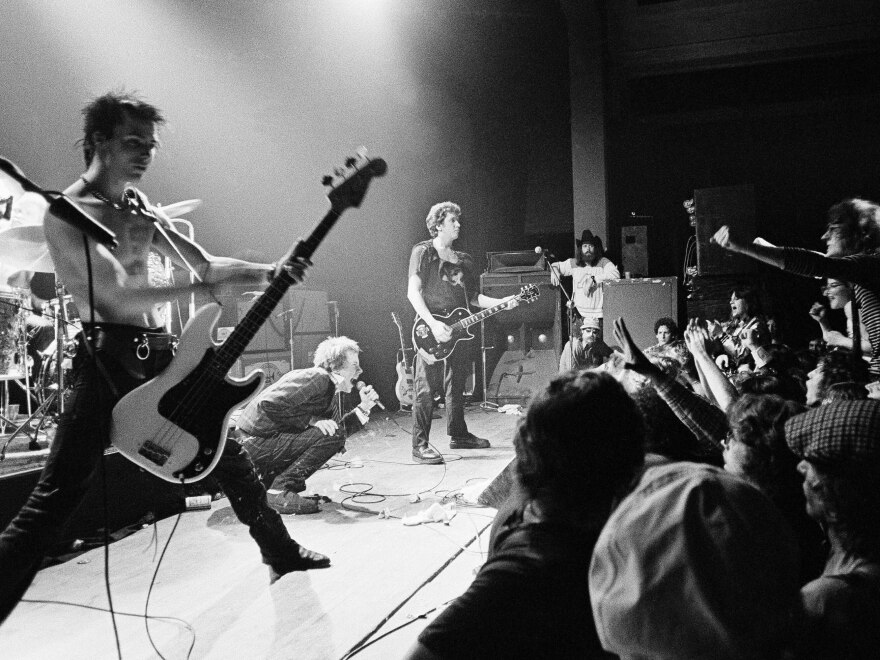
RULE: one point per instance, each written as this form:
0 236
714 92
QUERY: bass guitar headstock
349 182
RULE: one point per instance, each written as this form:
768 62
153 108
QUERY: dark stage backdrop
805 134
466 101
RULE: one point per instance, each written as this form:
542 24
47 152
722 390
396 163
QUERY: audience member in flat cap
530 598
840 447
694 563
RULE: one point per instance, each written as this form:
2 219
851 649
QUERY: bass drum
47 380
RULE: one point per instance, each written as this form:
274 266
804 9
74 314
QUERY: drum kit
36 347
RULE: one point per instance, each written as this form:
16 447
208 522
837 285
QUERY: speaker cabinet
730 205
303 311
634 250
543 311
640 303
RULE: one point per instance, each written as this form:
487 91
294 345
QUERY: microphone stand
569 305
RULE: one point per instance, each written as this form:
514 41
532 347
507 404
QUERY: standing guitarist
121 345
440 280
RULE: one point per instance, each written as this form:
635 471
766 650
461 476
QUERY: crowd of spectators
714 495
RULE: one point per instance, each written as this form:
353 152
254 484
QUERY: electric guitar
175 425
459 320
404 387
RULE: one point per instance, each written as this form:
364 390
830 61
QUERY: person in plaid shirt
839 447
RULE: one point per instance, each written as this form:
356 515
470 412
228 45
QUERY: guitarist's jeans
75 460
429 378
286 460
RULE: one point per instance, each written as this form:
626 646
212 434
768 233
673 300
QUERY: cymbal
25 248
178 209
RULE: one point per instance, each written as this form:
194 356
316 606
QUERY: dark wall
806 134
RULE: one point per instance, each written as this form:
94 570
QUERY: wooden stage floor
214 592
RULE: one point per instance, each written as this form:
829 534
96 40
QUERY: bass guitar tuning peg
349 162
326 180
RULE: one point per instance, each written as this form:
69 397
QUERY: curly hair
837 367
103 114
332 353
852 492
438 213
758 421
669 323
860 218
580 443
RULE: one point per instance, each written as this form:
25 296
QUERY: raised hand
724 238
632 354
696 337
818 312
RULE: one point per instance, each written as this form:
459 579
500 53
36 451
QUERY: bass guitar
404 387
175 425
459 320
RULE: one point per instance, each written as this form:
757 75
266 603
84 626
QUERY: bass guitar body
175 425
427 345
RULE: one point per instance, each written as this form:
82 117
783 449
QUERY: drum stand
5 418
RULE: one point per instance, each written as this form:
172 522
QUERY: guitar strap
162 224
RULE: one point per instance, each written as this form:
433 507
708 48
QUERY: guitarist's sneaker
427 455
469 441
290 502
303 560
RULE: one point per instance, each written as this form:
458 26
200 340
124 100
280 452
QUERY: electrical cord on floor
150 592
363 644
423 615
84 606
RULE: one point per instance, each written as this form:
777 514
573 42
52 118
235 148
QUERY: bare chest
134 233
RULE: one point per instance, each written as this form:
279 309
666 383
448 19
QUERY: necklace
101 197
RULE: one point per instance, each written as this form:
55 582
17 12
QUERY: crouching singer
294 426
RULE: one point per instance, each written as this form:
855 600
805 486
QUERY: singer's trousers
285 460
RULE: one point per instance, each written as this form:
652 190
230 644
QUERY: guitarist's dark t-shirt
445 285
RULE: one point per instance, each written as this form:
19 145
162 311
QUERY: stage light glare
510 339
542 338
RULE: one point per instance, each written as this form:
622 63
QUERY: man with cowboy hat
588 270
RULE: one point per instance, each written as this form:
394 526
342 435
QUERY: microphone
361 385
62 207
547 254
